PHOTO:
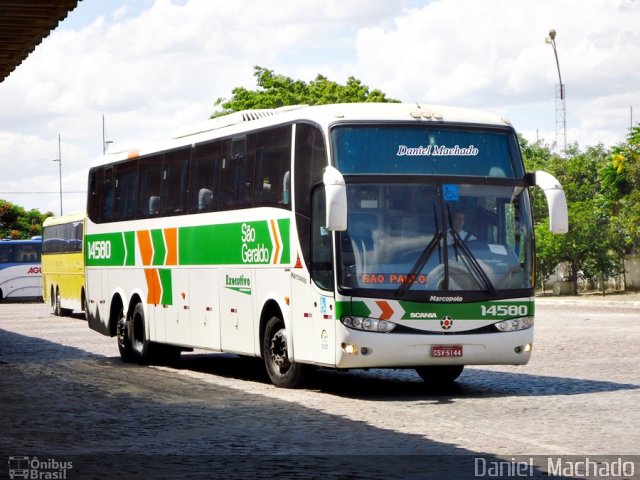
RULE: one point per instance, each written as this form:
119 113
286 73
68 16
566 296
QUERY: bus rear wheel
440 375
137 332
124 342
55 302
282 372
142 350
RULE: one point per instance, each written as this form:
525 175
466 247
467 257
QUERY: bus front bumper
357 349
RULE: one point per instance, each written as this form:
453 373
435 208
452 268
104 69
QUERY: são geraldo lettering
253 254
437 151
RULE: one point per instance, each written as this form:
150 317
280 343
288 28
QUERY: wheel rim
138 336
122 330
278 351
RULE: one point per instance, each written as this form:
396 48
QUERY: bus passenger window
149 185
175 181
205 177
106 195
273 158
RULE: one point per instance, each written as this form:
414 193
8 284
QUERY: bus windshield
436 237
426 149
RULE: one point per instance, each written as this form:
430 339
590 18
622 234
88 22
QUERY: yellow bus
63 285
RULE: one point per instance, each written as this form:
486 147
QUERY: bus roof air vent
235 118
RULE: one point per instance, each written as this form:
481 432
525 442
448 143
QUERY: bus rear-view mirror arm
556 200
336 198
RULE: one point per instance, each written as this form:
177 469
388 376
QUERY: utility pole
561 104
59 160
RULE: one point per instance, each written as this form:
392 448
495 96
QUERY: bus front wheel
282 371
440 375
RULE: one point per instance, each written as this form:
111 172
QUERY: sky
149 68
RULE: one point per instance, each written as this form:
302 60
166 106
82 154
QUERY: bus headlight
515 324
368 324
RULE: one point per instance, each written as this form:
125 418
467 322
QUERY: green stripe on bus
498 310
107 250
130 245
167 286
246 243
159 248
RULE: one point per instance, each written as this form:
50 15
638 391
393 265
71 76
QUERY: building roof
23 25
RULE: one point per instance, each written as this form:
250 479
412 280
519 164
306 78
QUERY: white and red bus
321 236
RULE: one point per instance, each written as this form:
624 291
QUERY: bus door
204 308
236 310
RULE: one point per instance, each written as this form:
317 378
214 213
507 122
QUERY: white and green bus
323 236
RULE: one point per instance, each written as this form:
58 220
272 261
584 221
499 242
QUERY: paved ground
65 397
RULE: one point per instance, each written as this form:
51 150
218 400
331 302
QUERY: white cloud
152 67
490 54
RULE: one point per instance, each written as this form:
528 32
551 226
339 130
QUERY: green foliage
18 223
621 184
604 208
275 90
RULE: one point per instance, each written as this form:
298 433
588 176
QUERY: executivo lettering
240 284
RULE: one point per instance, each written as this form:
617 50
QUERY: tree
275 90
593 247
621 182
17 223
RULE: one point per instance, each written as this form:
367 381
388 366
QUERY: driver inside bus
457 225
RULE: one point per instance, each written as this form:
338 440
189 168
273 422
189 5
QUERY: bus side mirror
558 216
336 198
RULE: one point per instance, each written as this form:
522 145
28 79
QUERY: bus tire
55 298
440 375
137 331
282 372
122 335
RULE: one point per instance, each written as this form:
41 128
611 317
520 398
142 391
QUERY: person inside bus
457 225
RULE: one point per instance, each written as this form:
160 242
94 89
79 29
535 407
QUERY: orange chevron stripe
154 289
278 247
171 241
387 311
146 248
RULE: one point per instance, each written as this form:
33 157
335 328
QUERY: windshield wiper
420 263
469 258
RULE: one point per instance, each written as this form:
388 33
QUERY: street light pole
59 160
561 105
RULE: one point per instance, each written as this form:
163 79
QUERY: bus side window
310 160
149 185
93 202
237 173
273 158
175 183
125 191
106 195
205 176
321 256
